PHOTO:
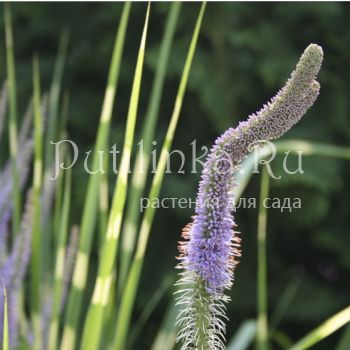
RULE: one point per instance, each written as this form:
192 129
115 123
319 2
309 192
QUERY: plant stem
262 325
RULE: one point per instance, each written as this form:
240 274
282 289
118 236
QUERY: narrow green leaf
308 149
313 148
103 200
52 132
54 97
60 263
3 106
95 316
244 336
284 301
166 336
149 308
59 182
142 159
37 242
344 343
11 81
129 293
5 330
281 339
262 325
324 330
90 209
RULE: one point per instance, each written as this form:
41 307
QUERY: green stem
11 74
203 315
60 262
37 242
262 325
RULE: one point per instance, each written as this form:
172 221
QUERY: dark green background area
245 53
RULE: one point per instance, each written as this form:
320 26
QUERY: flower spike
208 254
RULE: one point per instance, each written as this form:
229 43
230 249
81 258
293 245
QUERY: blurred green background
245 53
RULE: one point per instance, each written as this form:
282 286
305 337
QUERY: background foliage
244 54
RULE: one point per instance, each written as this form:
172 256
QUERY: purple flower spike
12 272
208 253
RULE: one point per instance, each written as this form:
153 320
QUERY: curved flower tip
208 253
311 60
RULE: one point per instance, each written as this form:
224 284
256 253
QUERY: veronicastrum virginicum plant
210 247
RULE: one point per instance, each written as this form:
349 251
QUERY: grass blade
313 148
5 330
324 330
53 130
87 227
11 81
54 96
60 263
262 326
308 149
285 301
344 343
149 308
103 201
166 337
59 193
94 319
281 339
37 241
244 336
142 159
129 293
3 106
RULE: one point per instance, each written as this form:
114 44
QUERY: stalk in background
37 246
88 221
12 126
14 270
5 330
96 312
142 160
130 289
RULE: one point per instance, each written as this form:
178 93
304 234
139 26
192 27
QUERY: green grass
142 161
5 331
324 330
97 308
37 269
165 339
98 312
244 336
75 299
60 262
12 125
129 292
344 342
